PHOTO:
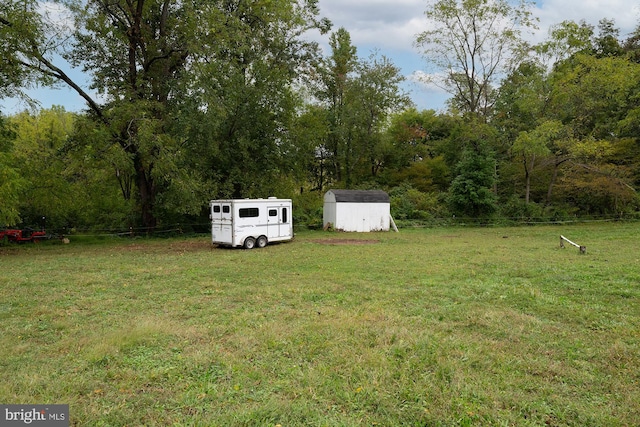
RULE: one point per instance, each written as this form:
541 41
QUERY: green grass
431 327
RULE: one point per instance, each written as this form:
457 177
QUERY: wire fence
199 228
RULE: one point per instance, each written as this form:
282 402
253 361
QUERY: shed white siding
357 210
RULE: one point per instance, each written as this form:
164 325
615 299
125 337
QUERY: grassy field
429 327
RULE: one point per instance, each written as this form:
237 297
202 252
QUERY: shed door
278 218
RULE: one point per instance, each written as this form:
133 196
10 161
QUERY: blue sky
390 27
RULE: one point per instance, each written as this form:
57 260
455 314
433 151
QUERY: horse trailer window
284 215
273 212
216 208
248 212
226 209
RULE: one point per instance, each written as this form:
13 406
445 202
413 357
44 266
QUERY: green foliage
359 96
567 39
578 98
598 193
10 180
518 210
67 183
244 139
229 99
426 175
408 203
307 209
308 154
22 27
471 192
46 192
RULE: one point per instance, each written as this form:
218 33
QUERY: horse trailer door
278 222
222 222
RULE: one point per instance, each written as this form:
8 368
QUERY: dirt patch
345 241
192 246
166 247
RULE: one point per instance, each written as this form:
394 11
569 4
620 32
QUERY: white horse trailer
251 222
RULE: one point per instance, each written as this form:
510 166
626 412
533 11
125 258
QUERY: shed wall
362 217
357 210
329 213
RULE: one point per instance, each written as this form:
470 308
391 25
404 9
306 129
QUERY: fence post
583 249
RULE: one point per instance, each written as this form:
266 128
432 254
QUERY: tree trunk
556 166
147 194
527 179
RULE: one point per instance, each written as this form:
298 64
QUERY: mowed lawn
425 327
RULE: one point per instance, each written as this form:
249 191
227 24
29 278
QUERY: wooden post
583 249
393 224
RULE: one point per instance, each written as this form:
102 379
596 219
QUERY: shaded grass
444 327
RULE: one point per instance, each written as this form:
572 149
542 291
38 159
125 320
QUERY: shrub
307 209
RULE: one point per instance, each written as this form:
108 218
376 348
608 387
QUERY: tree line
192 101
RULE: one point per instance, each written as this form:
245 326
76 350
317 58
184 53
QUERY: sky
389 28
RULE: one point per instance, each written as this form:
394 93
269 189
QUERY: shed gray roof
360 196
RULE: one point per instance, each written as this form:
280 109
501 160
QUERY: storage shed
357 210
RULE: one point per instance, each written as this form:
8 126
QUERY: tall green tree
310 132
475 43
22 39
246 84
359 97
563 121
414 150
10 181
566 39
535 146
144 57
336 72
596 98
472 192
374 95
67 185
134 51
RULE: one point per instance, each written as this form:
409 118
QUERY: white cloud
392 27
379 24
625 13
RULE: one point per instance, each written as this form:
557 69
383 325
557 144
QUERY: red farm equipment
23 235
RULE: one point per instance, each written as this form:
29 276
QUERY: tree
472 190
68 185
334 74
359 95
134 50
563 122
631 46
607 43
566 39
144 57
595 97
374 95
21 31
246 97
533 145
10 181
475 43
38 141
414 150
309 135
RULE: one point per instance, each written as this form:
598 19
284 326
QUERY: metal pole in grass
583 249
